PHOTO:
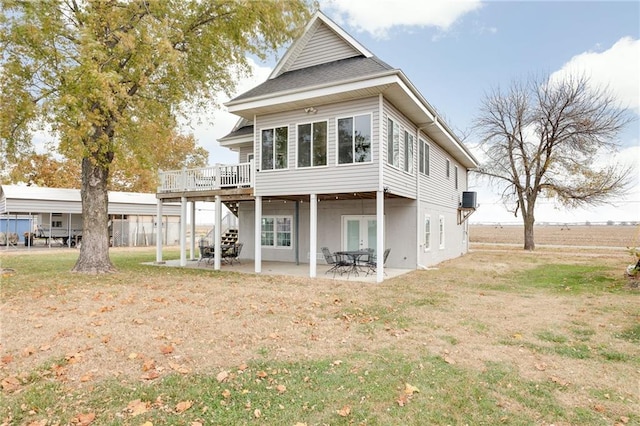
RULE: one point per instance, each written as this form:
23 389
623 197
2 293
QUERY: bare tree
543 137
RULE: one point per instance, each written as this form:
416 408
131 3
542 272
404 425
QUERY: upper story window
423 158
274 148
448 169
393 143
312 144
408 152
354 139
455 175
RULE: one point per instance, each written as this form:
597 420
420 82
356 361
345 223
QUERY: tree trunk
94 251
528 220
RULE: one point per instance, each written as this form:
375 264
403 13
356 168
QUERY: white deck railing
220 176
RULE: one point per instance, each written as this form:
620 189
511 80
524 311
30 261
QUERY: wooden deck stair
230 237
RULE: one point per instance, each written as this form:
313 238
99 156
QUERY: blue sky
455 51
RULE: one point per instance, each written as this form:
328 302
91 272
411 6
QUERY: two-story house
337 149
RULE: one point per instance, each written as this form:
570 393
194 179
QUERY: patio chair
372 263
232 253
338 264
206 253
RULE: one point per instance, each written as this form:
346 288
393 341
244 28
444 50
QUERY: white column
183 231
192 245
217 234
159 232
313 234
380 236
258 231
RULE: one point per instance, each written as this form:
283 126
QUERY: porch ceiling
247 195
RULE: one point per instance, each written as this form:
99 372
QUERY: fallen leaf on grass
137 407
6 359
10 384
261 374
85 419
281 388
344 411
559 381
226 394
179 368
148 364
449 360
86 378
222 376
166 350
151 375
599 408
183 406
257 413
39 422
541 366
410 390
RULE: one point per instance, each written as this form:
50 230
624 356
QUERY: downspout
296 230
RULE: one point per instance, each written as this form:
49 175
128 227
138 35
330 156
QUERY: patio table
354 256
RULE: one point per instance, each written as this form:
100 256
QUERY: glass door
359 232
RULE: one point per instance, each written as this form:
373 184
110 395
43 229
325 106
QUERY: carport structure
132 215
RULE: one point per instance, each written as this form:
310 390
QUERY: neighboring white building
57 212
340 150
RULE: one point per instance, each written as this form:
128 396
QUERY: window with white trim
427 232
354 139
408 152
312 144
276 231
393 143
423 158
455 175
274 148
448 169
441 231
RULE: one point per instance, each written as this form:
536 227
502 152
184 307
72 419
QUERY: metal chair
338 264
233 253
206 253
372 262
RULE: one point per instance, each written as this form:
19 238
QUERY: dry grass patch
487 333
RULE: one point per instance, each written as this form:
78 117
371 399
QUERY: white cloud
377 17
617 67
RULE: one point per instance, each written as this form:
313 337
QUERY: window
393 143
274 148
354 139
408 152
455 175
249 157
427 232
423 158
276 231
441 231
312 144
448 169
56 224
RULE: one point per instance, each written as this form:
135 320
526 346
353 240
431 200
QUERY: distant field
578 235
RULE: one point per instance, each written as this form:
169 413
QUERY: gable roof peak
296 49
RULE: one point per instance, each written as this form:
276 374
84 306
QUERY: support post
258 233
183 231
313 235
159 231
217 235
380 236
192 242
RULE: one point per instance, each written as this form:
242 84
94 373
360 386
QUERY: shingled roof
332 72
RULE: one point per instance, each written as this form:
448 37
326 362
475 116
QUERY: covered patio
283 268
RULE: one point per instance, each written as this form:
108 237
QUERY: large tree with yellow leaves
111 77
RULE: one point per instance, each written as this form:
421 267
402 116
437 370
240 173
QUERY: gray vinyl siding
455 238
436 188
245 150
332 178
395 178
323 46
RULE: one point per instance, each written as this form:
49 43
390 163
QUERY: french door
359 232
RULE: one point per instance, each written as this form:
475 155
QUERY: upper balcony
214 178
